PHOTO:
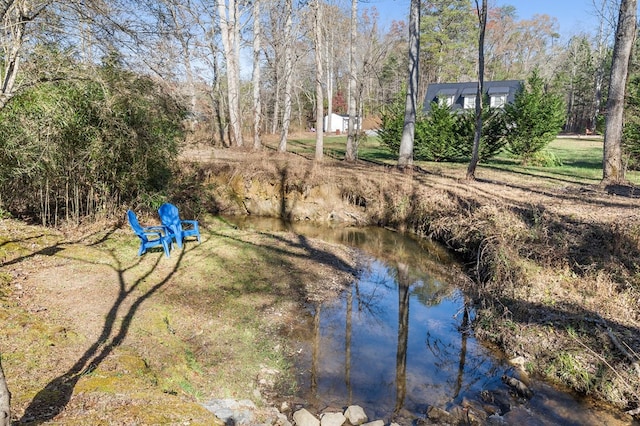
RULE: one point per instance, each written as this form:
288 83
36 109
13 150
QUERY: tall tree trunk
612 171
329 57
351 151
229 29
405 158
257 107
216 100
5 400
288 76
13 41
276 101
604 32
475 152
319 76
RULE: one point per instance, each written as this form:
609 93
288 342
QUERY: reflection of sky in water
434 344
434 347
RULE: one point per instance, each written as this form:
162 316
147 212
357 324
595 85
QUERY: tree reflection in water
369 348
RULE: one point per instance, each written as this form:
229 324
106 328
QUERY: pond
398 341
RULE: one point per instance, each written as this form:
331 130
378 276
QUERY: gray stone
303 417
438 415
231 410
496 420
374 423
332 419
355 414
282 420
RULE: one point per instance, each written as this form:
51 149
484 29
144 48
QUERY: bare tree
228 13
317 37
16 16
288 75
605 28
612 170
351 151
405 158
257 108
482 20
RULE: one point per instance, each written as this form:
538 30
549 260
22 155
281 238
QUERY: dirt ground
553 269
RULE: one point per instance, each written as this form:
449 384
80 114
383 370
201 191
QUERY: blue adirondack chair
180 229
150 236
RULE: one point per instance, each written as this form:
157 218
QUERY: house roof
447 91
498 90
461 90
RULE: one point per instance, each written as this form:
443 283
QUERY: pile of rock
245 413
353 415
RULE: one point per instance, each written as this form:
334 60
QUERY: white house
339 123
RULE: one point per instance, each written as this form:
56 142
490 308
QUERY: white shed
339 123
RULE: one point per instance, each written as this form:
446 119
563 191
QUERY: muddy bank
553 265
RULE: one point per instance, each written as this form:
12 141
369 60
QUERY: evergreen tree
534 119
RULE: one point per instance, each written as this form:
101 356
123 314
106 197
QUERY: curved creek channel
398 341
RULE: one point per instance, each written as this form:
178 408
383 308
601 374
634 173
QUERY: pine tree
534 119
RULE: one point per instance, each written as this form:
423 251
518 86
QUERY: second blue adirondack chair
150 236
180 229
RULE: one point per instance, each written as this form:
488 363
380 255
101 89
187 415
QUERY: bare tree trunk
350 153
5 400
288 75
612 171
475 152
14 20
218 109
329 57
319 76
229 29
604 31
257 108
276 102
405 158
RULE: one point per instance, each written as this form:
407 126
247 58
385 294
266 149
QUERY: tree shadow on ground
282 254
55 396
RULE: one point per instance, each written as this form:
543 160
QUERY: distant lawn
581 158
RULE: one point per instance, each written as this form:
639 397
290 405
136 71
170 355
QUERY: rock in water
520 388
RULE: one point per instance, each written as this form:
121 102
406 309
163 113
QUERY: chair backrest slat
135 225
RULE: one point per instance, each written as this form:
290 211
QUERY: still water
398 340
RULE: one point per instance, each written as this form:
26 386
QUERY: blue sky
574 16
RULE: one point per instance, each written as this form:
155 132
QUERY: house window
446 100
469 102
498 100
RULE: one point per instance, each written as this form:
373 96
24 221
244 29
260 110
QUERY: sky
574 16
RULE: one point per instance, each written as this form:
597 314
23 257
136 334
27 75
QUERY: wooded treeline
89 87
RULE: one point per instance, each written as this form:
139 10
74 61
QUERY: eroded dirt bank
553 263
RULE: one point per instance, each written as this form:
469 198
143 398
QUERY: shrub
438 135
392 123
71 148
494 131
534 119
443 134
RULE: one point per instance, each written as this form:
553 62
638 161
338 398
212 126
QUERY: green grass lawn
581 158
